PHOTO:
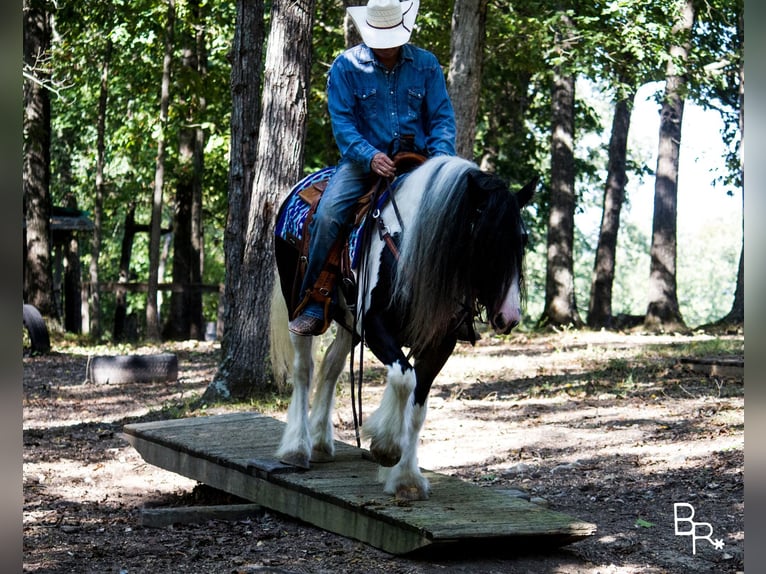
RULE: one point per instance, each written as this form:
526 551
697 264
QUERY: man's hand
382 165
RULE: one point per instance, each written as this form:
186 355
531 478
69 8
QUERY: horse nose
503 325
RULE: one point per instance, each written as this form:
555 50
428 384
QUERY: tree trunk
245 366
197 324
469 19
152 310
736 315
560 306
98 199
178 320
350 33
121 295
600 306
246 60
38 270
185 315
663 313
72 287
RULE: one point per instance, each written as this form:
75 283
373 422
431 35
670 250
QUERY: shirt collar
366 55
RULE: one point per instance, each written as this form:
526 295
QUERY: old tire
115 369
40 341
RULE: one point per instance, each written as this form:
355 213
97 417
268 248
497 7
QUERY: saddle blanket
292 216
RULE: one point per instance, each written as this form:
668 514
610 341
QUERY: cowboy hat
385 23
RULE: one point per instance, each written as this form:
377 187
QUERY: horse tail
432 272
281 348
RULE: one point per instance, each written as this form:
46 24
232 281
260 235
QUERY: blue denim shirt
370 106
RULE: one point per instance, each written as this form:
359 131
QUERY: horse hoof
411 493
296 459
318 455
385 458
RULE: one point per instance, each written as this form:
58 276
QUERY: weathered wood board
160 517
716 367
235 453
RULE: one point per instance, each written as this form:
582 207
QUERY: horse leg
320 420
387 427
295 448
405 479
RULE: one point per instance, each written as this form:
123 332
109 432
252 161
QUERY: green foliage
135 32
716 60
613 45
707 271
321 150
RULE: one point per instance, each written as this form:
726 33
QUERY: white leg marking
405 480
295 447
388 427
320 420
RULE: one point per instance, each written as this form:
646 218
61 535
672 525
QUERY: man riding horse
383 94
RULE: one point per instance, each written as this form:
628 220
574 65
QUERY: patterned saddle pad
294 211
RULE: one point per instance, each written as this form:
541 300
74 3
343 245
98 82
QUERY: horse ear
525 193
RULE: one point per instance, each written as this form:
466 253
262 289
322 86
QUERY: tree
469 19
152 312
663 313
560 305
719 54
244 367
95 326
185 316
246 59
38 273
510 99
622 62
105 153
600 305
350 33
736 315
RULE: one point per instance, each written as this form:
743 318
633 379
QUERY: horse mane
463 244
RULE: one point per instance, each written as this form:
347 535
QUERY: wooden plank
161 517
716 367
232 476
235 453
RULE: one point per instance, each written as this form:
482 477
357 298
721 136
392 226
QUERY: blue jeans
332 217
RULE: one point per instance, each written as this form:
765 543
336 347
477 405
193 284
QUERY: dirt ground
611 428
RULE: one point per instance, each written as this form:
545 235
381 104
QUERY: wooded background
161 135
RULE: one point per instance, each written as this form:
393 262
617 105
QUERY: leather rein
404 161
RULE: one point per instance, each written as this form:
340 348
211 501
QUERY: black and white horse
460 242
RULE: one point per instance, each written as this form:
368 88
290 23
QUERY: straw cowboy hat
385 23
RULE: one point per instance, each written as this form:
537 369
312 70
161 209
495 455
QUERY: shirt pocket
415 99
367 101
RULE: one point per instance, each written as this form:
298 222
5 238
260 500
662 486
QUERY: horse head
498 238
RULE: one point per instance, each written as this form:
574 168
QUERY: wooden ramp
235 453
